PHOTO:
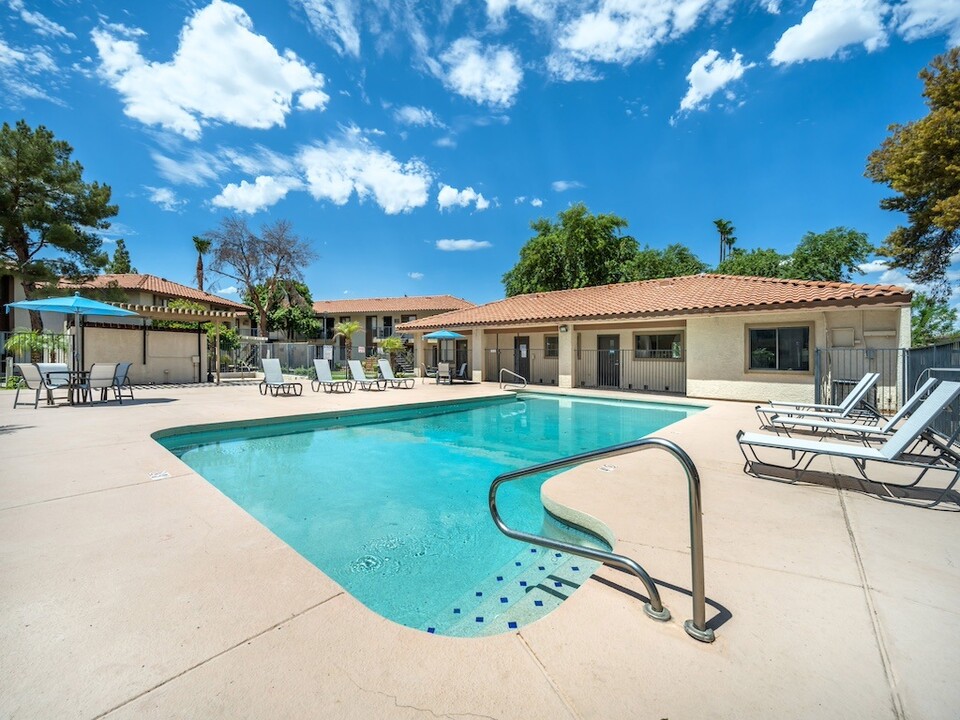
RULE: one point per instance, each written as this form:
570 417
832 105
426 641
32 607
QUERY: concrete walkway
124 596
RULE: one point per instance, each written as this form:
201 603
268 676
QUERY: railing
512 385
644 370
837 371
535 366
695 627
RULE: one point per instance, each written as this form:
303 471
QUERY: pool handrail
695 627
512 385
927 372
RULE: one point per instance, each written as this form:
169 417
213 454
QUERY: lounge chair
121 384
845 410
443 373
37 381
427 372
274 382
100 378
325 379
386 372
853 431
939 452
360 378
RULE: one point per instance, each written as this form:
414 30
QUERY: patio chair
427 372
325 379
939 452
121 384
852 431
845 410
443 373
36 381
101 377
461 374
386 372
274 382
360 378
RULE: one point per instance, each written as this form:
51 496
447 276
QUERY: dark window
667 345
551 346
786 348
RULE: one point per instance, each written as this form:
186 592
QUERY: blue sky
412 143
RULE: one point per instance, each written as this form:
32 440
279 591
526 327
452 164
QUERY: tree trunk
29 289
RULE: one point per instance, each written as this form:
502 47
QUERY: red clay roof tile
671 296
413 304
158 286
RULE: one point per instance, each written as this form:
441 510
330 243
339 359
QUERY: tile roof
690 294
157 286
412 304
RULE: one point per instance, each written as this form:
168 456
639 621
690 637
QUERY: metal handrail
926 373
512 385
696 627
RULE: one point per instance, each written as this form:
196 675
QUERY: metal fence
838 370
623 370
534 365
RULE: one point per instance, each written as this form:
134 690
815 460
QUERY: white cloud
543 10
873 266
265 191
564 185
417 116
258 161
229 290
335 170
221 72
916 19
450 197
27 73
41 23
197 168
771 6
445 142
709 74
536 202
336 21
489 74
165 197
829 27
415 275
622 31
520 199
462 245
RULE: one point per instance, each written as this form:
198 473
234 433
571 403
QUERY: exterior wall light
564 328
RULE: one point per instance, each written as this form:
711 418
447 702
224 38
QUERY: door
521 356
608 360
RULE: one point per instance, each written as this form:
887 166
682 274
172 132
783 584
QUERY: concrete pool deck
124 596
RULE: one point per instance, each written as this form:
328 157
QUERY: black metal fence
623 370
837 370
534 365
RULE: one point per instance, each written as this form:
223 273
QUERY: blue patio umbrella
442 335
71 305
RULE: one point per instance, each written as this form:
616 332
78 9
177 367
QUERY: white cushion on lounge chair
858 392
325 378
274 382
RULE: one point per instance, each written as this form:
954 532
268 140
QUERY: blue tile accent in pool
540 567
500 577
431 630
518 563
556 554
558 584
512 625
523 583
479 618
456 611
575 568
538 603
533 550
479 594
503 599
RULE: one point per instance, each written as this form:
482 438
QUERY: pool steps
533 583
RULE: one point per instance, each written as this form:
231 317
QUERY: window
785 348
667 345
551 346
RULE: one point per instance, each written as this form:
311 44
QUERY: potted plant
34 342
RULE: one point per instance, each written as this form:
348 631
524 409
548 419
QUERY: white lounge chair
360 378
939 452
325 379
853 431
845 410
274 382
386 372
37 381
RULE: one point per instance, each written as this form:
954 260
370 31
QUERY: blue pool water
393 505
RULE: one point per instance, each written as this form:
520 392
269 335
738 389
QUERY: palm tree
346 331
202 246
727 238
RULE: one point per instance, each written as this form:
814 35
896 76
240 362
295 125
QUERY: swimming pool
393 504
